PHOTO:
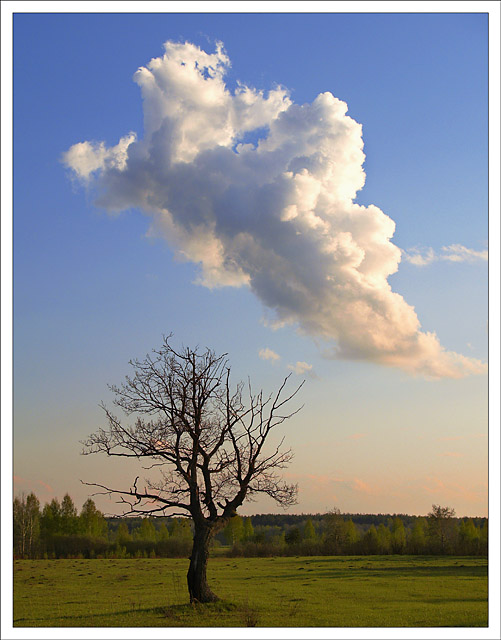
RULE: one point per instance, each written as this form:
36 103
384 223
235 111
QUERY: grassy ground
367 591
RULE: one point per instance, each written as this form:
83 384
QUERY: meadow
328 591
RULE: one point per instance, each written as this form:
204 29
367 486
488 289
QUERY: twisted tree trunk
197 573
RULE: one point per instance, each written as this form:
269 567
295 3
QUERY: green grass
361 591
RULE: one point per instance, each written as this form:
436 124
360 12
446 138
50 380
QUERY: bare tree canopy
207 440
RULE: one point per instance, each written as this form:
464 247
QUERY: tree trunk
197 572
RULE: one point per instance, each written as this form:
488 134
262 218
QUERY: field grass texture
361 591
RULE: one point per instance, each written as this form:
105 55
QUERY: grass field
367 591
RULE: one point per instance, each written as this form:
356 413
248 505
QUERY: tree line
58 531
335 533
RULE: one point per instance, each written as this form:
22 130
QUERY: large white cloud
276 214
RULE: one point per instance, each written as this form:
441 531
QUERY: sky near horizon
308 193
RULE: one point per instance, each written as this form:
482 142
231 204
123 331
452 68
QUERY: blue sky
93 289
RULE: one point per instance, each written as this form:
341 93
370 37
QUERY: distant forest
58 531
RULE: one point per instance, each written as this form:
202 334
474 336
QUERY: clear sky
367 276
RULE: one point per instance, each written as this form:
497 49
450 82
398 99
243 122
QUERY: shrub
65 546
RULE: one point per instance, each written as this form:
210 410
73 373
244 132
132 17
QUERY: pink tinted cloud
436 486
314 485
454 438
22 481
454 491
363 487
322 482
357 436
46 486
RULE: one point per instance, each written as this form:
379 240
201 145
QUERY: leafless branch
192 424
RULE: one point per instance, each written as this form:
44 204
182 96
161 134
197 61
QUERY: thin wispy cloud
326 482
453 491
453 253
19 482
359 485
269 354
45 486
452 438
260 192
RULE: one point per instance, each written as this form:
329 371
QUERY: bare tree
207 441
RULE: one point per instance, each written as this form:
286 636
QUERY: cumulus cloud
269 354
87 157
260 192
452 253
303 369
